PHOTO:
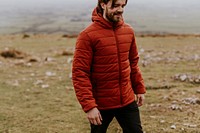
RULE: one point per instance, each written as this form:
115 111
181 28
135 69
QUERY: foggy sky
143 12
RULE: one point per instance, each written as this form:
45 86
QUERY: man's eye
115 5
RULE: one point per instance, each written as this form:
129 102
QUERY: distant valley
168 16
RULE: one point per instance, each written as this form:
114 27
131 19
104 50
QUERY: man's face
113 13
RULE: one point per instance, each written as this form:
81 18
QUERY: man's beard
111 16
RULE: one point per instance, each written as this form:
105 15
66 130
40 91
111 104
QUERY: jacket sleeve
81 72
136 76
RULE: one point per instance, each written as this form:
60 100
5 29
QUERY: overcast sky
29 2
73 4
185 11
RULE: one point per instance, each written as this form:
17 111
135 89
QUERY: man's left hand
140 99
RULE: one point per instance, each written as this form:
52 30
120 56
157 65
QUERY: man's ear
103 5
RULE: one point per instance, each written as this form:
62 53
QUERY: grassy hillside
37 96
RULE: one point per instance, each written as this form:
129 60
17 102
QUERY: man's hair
99 8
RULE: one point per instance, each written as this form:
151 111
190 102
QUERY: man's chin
117 19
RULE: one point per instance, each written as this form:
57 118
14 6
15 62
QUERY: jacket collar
98 18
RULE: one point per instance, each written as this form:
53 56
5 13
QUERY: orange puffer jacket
105 69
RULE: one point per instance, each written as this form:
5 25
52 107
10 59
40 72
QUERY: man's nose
121 9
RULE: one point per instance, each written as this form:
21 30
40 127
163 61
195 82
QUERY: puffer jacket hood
105 70
98 18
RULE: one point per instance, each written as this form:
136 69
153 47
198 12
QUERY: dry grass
38 97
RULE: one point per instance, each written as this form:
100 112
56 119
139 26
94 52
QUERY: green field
37 96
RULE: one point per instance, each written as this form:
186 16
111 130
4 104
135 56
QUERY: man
105 70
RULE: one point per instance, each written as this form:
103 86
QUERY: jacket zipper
119 62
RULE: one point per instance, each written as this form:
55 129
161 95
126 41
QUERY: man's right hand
94 116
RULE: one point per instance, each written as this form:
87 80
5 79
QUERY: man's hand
94 116
140 99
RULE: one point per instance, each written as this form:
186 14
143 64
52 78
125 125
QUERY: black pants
128 117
